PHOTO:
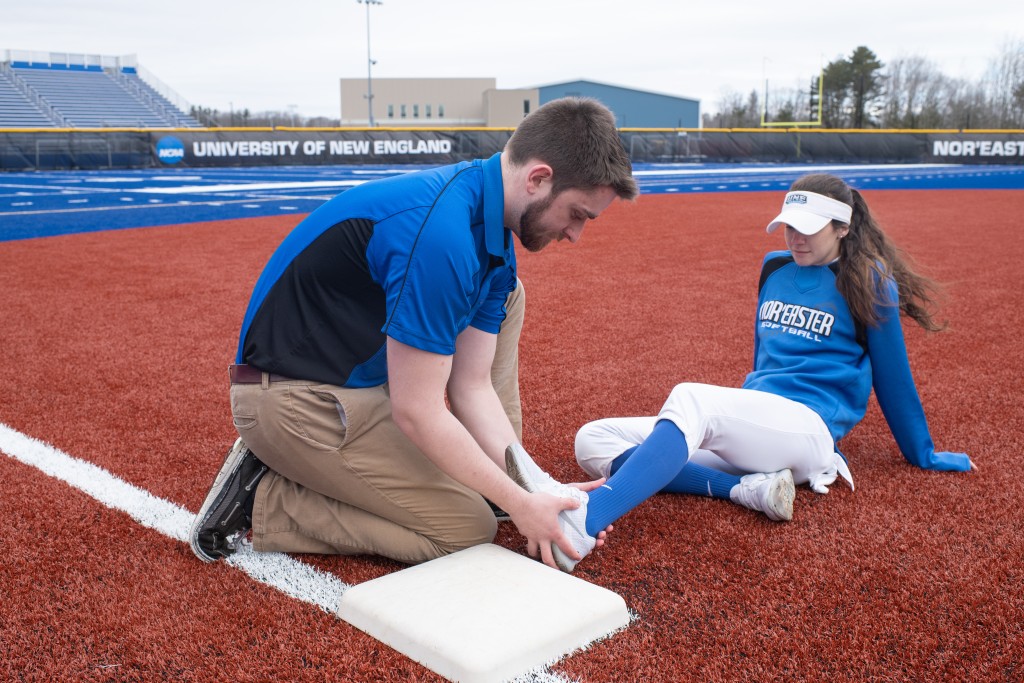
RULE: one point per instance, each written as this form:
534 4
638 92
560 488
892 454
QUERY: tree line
860 91
244 118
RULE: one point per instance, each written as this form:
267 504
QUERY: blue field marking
62 202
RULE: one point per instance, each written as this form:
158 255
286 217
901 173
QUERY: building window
415 111
526 107
427 108
440 111
403 111
391 111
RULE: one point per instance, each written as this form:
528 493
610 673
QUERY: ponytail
867 257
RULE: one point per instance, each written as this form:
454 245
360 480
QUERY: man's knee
477 526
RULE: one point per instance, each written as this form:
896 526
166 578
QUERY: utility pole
369 60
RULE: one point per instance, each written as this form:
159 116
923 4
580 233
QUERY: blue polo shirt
418 257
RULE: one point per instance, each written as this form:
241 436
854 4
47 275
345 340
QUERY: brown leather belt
247 374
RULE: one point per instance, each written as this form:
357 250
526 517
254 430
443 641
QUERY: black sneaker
499 514
226 516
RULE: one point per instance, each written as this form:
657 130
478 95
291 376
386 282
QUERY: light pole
369 59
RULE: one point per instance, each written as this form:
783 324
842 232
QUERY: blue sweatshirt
808 348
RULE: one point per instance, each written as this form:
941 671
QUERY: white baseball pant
738 431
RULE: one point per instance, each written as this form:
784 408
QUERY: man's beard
531 235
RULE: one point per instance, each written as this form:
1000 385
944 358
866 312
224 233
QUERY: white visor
809 212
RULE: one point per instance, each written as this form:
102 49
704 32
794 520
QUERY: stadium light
369 59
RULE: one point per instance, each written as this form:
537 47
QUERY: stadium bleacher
129 78
56 90
18 109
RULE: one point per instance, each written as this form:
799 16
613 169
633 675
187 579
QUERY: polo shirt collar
495 236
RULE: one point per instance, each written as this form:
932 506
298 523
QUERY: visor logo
796 199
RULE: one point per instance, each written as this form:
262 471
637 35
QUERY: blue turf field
59 202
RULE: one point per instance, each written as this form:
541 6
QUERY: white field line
246 187
127 207
291 577
277 570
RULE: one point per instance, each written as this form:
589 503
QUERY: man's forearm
450 446
418 383
481 413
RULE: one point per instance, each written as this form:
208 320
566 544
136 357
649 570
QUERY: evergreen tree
865 87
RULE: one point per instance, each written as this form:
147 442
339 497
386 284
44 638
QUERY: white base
483 614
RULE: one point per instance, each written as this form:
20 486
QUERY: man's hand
589 486
536 518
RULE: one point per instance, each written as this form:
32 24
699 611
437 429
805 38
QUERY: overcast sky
274 55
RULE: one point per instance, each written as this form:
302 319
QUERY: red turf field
114 347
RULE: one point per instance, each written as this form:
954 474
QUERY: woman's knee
593 437
684 406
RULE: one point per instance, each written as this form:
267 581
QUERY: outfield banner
832 146
92 149
302 148
98 148
965 148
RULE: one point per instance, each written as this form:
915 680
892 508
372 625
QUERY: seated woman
827 331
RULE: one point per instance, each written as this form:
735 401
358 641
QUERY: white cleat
525 472
574 526
771 493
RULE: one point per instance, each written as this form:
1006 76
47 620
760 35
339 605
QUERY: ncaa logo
796 199
170 150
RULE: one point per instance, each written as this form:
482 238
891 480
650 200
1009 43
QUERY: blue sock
695 479
700 480
653 464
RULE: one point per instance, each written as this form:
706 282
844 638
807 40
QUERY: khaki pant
344 479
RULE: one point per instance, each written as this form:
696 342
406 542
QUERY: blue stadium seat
18 109
76 96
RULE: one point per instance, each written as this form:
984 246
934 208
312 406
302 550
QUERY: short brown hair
578 139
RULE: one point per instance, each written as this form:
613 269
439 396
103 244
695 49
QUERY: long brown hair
867 256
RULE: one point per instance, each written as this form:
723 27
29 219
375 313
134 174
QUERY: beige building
428 102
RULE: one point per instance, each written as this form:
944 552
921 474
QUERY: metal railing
45 108
111 64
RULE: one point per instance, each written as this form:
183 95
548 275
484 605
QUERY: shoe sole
236 453
516 469
562 561
499 514
783 493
